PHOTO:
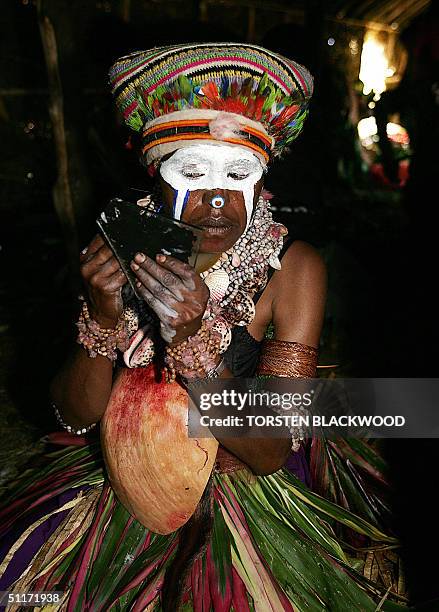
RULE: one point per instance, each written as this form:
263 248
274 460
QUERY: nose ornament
217 201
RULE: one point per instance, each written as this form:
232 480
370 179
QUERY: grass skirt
272 546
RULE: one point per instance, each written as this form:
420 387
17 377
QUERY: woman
187 523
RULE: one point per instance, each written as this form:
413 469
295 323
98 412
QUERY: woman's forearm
263 455
82 387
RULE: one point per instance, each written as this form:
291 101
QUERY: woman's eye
236 176
192 174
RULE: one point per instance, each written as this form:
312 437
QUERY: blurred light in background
368 132
366 129
374 68
396 133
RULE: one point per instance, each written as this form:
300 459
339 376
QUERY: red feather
156 108
234 89
251 108
285 116
210 91
259 103
231 105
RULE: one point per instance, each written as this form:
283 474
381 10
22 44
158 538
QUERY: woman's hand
103 278
174 291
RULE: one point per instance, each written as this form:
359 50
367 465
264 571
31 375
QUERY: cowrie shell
217 282
274 262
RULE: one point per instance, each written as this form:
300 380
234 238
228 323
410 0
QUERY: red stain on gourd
176 520
156 470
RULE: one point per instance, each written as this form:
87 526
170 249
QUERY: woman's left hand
174 291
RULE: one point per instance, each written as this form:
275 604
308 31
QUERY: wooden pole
62 194
125 10
251 25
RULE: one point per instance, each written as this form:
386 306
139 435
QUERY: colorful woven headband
215 93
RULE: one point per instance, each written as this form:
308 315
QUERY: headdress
212 93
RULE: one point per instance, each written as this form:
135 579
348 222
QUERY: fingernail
134 266
84 251
138 284
140 257
160 258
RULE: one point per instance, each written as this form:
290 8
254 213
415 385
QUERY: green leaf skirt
272 546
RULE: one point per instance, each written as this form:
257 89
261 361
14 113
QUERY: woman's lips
215 227
216 230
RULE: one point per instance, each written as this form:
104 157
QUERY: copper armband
291 359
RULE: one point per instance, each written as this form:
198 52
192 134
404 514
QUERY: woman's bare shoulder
302 256
299 292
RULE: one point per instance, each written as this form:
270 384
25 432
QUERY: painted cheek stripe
180 200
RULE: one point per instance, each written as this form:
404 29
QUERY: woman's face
215 187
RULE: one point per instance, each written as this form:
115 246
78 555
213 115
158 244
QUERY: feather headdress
243 95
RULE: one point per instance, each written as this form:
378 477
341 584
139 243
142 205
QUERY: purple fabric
298 465
36 539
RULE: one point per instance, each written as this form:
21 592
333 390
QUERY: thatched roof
395 14
392 15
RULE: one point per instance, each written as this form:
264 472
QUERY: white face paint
212 167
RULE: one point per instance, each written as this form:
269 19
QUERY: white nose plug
217 201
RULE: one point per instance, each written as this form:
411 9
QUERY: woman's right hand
103 279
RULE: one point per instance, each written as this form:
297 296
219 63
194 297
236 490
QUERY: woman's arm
295 301
299 295
82 387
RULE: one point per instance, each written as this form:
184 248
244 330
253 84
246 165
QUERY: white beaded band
298 434
79 432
